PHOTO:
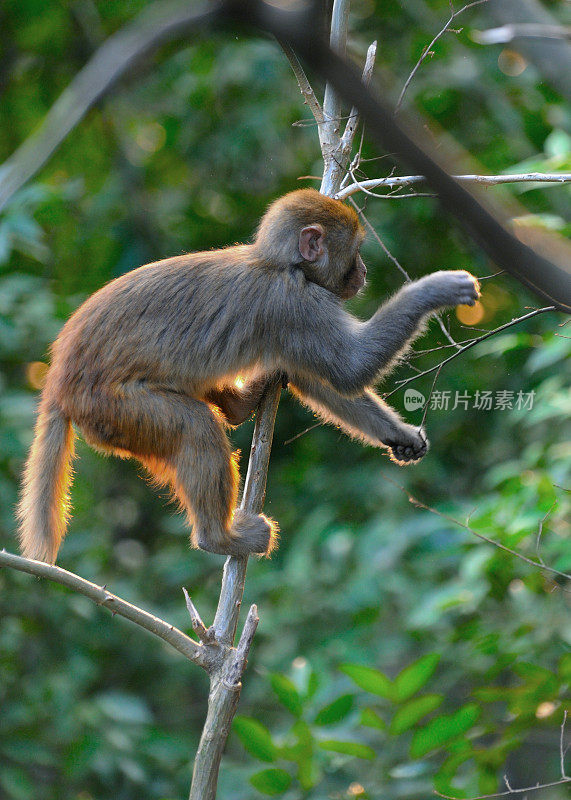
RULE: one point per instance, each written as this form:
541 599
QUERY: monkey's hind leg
205 481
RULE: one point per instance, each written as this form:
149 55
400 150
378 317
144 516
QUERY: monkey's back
174 322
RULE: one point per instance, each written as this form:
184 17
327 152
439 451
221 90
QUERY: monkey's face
331 259
354 279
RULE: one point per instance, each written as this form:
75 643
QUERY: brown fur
146 367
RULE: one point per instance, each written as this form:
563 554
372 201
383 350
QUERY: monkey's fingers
410 453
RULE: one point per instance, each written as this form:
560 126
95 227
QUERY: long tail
44 507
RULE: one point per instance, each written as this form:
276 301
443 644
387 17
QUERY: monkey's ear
311 242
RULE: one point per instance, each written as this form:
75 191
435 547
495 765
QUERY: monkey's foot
409 451
250 534
254 532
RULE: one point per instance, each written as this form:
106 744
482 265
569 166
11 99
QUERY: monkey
146 367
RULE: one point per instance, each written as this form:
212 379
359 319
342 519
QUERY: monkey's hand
450 288
410 446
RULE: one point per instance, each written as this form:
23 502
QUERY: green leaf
286 693
271 781
369 679
349 748
415 676
371 719
443 729
408 714
312 684
335 711
255 738
565 667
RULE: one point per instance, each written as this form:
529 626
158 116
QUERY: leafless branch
537 564
205 634
329 136
305 88
353 121
536 787
380 242
206 657
483 180
522 30
564 775
398 265
470 344
225 682
428 49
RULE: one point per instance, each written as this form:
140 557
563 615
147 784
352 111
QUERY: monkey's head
308 231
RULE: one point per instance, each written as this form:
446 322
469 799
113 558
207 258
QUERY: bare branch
383 246
225 682
522 30
428 49
329 136
309 97
470 344
247 637
564 775
400 267
353 121
207 658
484 180
205 634
510 791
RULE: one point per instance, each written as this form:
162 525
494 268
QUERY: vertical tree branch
225 682
329 136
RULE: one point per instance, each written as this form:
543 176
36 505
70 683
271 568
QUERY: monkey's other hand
412 445
451 288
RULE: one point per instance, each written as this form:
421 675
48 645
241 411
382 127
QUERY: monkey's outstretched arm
351 355
365 417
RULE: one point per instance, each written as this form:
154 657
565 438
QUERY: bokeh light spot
511 63
36 373
471 315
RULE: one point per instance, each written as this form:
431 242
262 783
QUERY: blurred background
184 156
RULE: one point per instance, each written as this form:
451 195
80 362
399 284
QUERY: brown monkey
146 367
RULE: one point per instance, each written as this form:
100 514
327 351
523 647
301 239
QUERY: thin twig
470 344
302 433
564 775
510 791
483 180
540 532
419 504
425 411
378 239
205 657
427 50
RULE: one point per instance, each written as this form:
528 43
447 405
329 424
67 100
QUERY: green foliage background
396 652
